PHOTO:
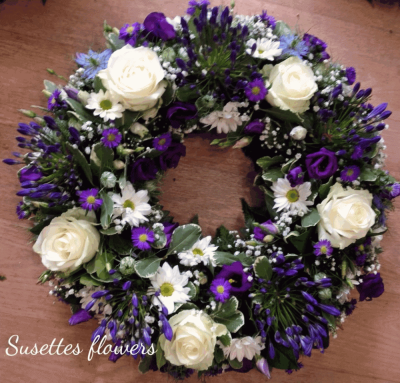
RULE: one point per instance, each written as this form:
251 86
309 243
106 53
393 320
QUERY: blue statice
93 62
292 46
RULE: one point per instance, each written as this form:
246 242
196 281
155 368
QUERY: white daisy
105 105
240 348
201 251
226 120
291 198
169 282
266 49
131 205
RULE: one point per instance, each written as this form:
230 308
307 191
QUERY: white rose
346 215
298 133
68 241
135 76
292 87
194 338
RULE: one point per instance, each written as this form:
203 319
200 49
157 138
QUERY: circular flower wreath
259 299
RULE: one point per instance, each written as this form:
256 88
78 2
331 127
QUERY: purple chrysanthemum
350 173
323 247
129 33
88 200
142 237
221 289
256 91
162 142
55 101
111 138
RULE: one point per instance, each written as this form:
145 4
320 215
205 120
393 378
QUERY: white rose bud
135 76
108 179
194 339
346 215
83 97
127 266
118 164
68 241
298 133
138 129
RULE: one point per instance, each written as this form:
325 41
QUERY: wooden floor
208 181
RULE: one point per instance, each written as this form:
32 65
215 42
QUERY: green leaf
109 231
106 210
282 28
145 363
161 241
147 267
311 218
235 364
195 219
283 115
263 268
226 339
266 162
160 358
299 241
101 159
81 160
121 245
330 318
323 190
80 109
90 266
168 95
225 258
270 203
113 40
185 93
368 174
103 263
87 280
227 314
193 291
184 237
98 85
50 86
130 117
272 174
284 358
219 354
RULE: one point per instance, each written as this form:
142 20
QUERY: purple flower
180 112
129 33
295 176
55 101
168 230
21 212
270 228
270 19
162 142
292 46
30 174
111 138
323 247
157 25
221 289
255 127
93 62
143 169
255 90
170 158
350 173
360 260
321 164
79 317
193 4
142 238
88 200
372 287
391 191
235 275
351 75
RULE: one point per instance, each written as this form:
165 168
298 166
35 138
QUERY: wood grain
208 181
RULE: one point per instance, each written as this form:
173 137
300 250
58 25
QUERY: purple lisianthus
170 158
129 33
54 102
88 200
111 138
221 289
360 260
269 228
255 127
162 142
351 75
391 191
295 176
30 174
323 247
255 90
168 230
143 169
371 287
235 275
322 164
79 317
142 238
180 112
350 173
157 25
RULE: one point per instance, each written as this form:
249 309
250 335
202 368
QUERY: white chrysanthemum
266 49
291 198
105 105
131 205
100 308
201 251
226 120
171 285
240 348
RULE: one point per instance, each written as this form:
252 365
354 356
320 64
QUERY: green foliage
263 268
228 314
311 218
184 237
106 210
81 161
147 267
267 161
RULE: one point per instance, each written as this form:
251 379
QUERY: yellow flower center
220 289
323 249
292 195
53 101
361 247
143 237
111 137
90 199
197 252
162 141
105 104
256 90
129 29
231 281
350 172
129 204
166 289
